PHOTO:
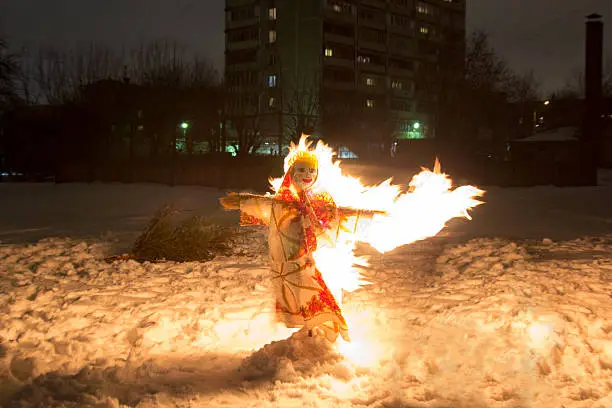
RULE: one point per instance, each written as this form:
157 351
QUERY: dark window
241 56
338 75
401 63
242 13
338 29
243 34
401 104
400 21
371 15
428 47
372 35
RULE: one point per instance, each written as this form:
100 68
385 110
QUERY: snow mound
287 360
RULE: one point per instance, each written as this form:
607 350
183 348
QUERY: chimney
593 67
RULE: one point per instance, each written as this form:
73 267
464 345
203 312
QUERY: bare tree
26 80
166 62
523 88
61 74
574 85
485 70
244 115
249 133
300 107
9 72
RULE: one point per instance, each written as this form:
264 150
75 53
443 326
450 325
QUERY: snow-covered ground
511 309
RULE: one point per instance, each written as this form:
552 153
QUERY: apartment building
363 70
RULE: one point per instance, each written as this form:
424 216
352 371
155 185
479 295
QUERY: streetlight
184 126
546 102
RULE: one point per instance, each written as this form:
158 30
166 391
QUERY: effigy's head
304 169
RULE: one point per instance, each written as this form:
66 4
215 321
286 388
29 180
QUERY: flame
405 216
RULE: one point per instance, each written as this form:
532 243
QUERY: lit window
272 13
272 81
271 102
425 9
396 85
337 8
370 81
329 52
424 30
272 36
370 103
363 59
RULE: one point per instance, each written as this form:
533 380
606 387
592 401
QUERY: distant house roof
561 134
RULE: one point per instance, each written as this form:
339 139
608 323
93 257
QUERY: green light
184 125
416 125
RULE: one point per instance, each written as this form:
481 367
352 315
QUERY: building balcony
229 24
339 62
373 68
428 58
381 4
403 10
334 84
402 93
241 45
381 25
453 5
240 66
403 115
372 90
370 45
403 30
426 18
329 14
340 39
229 4
406 51
401 72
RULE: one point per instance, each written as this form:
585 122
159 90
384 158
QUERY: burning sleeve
255 210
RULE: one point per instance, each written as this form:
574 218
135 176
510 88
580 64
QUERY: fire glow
401 217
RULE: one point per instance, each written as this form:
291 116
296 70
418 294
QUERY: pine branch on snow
195 239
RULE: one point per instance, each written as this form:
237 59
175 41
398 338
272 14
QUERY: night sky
544 35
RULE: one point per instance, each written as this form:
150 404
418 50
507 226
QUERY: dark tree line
90 104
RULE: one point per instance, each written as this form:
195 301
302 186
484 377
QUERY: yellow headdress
304 156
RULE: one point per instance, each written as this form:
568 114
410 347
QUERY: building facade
350 70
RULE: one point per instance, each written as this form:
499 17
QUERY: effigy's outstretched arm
357 220
359 212
254 209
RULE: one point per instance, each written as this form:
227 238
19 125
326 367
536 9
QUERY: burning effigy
316 215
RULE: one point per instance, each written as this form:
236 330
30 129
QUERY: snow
511 309
561 134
